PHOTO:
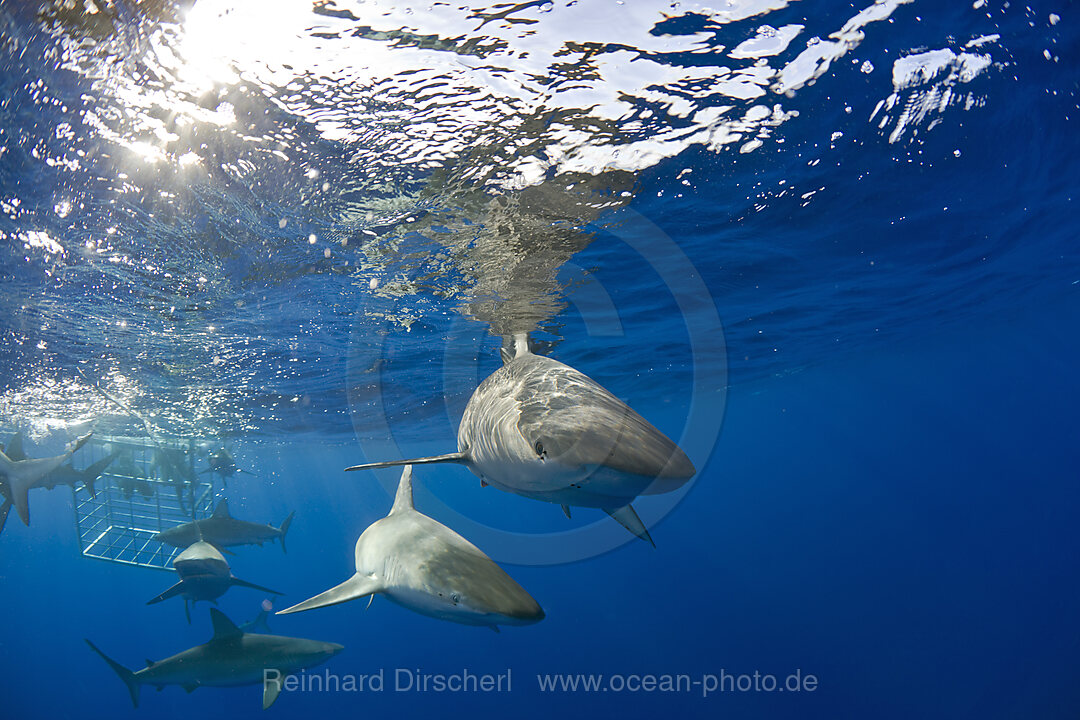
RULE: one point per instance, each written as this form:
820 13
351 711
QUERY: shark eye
455 598
539 447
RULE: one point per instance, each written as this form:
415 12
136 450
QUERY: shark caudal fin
244 583
20 498
457 457
355 587
284 529
126 675
629 519
17 492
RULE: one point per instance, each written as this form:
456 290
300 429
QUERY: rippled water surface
845 231
215 209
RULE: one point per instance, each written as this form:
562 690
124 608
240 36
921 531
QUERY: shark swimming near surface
231 658
426 567
541 429
204 575
223 530
22 475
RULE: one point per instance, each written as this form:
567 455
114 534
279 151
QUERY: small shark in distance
222 462
231 658
223 530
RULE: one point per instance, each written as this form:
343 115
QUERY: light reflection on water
232 178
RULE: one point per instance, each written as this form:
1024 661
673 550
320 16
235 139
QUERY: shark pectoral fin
457 457
271 688
191 687
566 511
355 587
496 629
629 519
175 590
244 583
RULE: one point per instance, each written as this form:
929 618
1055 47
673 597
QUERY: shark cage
144 487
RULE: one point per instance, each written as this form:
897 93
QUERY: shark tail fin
20 497
629 519
259 623
457 457
284 529
16 493
355 587
126 675
244 583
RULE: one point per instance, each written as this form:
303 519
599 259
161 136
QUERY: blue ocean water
827 247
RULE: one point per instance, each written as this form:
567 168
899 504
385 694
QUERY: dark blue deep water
830 248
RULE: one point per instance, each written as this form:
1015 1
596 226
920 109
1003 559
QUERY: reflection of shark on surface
231 658
24 474
426 567
541 429
223 530
204 575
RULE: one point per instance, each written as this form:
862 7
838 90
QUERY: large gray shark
426 567
231 658
22 475
204 575
539 428
223 530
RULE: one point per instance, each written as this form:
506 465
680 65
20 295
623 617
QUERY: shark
426 567
539 428
172 467
22 475
222 462
204 575
223 530
231 658
68 475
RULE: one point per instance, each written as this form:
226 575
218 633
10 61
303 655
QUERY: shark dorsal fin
14 449
514 346
224 628
222 509
403 500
